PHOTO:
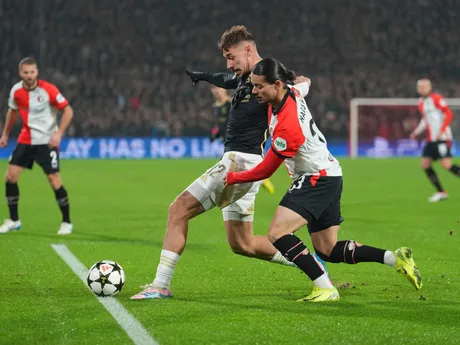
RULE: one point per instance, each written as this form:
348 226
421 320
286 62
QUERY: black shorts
318 203
437 150
25 156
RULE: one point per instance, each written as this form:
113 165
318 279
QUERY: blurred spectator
121 64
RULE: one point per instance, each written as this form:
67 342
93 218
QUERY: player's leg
20 159
238 218
352 252
446 159
196 199
62 199
324 229
48 158
288 218
430 154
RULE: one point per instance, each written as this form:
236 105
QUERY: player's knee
324 249
446 164
275 232
244 249
10 177
425 165
55 181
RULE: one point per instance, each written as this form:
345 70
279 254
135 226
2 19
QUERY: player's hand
195 76
413 136
4 141
301 79
55 140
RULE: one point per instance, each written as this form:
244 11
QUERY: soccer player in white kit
436 119
37 102
315 193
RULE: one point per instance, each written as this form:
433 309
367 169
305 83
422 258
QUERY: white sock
278 258
389 259
165 270
323 282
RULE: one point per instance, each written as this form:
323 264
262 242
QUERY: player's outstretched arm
261 171
223 80
11 117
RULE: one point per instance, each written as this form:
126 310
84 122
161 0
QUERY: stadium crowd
121 64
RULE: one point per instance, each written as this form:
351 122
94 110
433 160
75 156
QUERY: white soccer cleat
10 225
438 197
65 229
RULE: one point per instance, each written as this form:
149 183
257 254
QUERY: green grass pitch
119 209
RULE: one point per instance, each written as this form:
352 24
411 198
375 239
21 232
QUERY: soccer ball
106 278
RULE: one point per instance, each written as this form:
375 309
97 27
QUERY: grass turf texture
119 209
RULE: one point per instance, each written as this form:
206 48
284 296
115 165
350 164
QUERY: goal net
380 127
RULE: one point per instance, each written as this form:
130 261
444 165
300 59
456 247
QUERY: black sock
434 179
351 252
455 169
12 199
63 202
294 250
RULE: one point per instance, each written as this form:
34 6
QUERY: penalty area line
133 328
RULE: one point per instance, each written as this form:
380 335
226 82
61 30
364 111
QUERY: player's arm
58 101
302 84
67 116
223 80
261 171
11 117
419 129
286 141
441 104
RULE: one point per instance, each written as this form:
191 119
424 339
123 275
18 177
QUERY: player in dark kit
222 107
243 149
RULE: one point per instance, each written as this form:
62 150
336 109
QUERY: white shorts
236 201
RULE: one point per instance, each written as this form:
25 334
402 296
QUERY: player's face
424 88
238 58
264 91
28 74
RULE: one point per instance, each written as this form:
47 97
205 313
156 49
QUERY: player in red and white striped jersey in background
37 102
436 119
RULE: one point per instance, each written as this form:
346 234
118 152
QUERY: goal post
380 127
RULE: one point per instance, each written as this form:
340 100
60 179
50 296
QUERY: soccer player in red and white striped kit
37 102
436 119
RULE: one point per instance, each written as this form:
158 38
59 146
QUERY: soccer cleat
268 185
65 229
406 266
438 196
151 292
10 225
321 295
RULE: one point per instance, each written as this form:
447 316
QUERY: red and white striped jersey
436 118
296 137
38 109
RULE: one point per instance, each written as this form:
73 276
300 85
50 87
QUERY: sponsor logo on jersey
280 144
60 98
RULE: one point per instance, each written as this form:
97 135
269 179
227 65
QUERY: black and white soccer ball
106 278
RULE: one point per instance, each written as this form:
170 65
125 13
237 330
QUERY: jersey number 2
54 160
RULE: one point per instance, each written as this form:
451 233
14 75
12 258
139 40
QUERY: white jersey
296 138
436 118
38 110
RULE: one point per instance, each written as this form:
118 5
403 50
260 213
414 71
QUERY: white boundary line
130 325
